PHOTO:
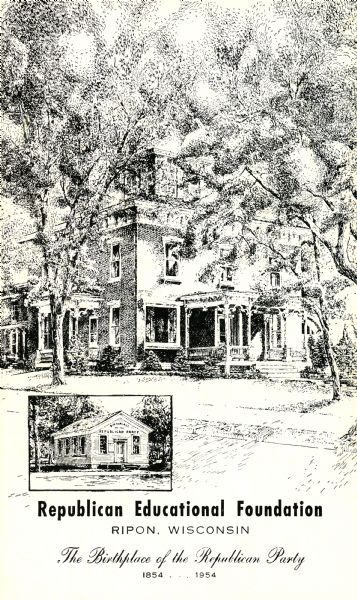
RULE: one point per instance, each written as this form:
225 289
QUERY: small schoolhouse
115 440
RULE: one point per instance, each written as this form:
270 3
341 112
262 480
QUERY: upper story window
172 248
15 311
275 279
115 261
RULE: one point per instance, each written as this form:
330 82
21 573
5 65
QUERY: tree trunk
57 315
35 437
335 374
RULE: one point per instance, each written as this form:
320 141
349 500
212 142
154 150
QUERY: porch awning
77 301
218 297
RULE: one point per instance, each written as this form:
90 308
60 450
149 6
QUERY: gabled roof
83 426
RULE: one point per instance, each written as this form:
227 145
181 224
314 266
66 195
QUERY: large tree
82 108
277 128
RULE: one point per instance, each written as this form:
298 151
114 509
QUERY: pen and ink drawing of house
218 250
152 295
114 440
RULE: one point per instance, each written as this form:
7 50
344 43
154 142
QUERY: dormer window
172 250
275 279
115 262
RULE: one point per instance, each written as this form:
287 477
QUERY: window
222 330
172 259
161 325
276 331
226 274
275 279
15 311
75 445
68 445
73 327
103 444
136 444
82 445
115 262
59 446
93 332
115 326
225 251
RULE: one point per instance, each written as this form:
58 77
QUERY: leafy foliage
155 412
111 361
151 362
180 363
77 356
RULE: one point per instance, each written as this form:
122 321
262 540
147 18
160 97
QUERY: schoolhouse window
75 445
103 444
59 446
82 444
93 331
172 259
115 261
115 326
275 279
136 444
68 445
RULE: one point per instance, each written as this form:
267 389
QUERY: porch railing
236 352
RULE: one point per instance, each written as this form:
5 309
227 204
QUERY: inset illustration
100 442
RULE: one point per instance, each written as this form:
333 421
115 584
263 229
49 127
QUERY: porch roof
217 297
79 300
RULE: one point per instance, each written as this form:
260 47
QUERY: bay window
162 325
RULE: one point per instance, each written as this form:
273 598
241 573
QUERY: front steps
43 359
280 369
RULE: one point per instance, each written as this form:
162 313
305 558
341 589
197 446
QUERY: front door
119 451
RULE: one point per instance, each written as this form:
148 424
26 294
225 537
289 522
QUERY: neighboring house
117 439
153 299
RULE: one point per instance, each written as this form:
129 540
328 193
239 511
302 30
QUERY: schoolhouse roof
87 425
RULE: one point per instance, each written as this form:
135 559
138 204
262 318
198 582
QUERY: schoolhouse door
119 451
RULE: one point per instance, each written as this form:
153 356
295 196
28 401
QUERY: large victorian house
153 295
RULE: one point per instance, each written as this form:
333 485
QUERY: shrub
211 367
151 362
180 363
77 356
317 353
346 354
111 361
310 372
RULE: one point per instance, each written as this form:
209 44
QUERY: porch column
240 317
40 330
266 336
24 353
287 340
305 334
249 326
227 319
187 329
